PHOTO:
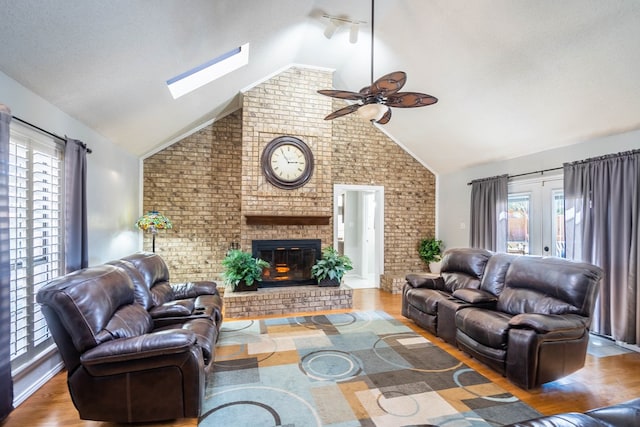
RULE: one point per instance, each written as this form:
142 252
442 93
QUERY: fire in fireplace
290 260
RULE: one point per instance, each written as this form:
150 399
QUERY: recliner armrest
160 343
194 289
549 323
474 296
181 307
421 280
622 414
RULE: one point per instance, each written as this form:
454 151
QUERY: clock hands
287 159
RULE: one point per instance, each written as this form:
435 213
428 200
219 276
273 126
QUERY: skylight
209 71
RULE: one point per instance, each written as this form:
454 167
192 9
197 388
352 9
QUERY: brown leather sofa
526 317
625 414
122 364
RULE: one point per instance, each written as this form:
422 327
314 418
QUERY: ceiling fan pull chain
372 34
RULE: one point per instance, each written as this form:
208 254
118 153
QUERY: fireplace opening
290 261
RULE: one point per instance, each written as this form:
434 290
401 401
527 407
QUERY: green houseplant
430 250
330 268
242 270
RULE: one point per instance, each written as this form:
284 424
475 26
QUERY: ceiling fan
374 101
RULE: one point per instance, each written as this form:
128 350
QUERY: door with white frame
536 217
359 232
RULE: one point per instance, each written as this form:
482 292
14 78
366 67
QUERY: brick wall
196 183
287 105
210 180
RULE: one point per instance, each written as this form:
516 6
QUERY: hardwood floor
603 381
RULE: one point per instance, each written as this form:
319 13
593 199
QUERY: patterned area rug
340 370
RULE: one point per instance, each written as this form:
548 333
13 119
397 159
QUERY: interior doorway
359 232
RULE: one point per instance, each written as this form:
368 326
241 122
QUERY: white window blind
36 233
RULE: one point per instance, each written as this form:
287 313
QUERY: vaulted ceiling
512 77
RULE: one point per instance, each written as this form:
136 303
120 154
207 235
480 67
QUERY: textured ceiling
512 77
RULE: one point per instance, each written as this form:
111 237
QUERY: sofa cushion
128 321
86 301
463 267
425 300
495 273
154 272
141 292
487 327
162 292
549 286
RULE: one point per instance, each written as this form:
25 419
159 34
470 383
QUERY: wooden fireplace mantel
287 219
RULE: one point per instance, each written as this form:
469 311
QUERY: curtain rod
53 135
529 173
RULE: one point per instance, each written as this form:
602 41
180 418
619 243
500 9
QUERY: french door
536 217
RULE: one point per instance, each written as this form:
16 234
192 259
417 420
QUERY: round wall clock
287 162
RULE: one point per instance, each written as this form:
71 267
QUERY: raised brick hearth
294 299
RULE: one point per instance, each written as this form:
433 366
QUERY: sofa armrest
622 414
474 296
194 289
421 280
160 343
181 307
550 323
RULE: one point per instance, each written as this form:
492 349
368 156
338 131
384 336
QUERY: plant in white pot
329 269
430 250
242 270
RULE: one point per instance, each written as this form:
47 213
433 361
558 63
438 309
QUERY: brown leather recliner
539 329
120 368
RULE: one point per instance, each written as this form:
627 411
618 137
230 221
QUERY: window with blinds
36 233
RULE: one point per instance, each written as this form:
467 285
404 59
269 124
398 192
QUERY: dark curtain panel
76 238
489 218
6 383
602 221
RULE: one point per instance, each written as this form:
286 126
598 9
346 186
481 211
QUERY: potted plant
330 268
430 250
242 270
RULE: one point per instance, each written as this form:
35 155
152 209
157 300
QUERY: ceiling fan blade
410 100
385 119
342 94
343 111
388 84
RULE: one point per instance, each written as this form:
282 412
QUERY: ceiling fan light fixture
372 112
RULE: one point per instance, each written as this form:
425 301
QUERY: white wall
112 177
453 200
112 196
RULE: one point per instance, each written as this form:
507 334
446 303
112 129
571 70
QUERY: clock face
287 162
